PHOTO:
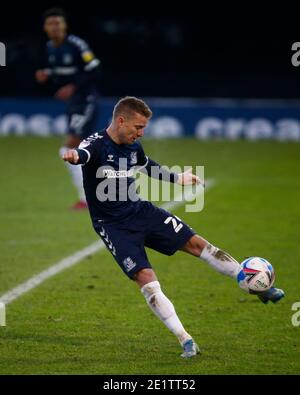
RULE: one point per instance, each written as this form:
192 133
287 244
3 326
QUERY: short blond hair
129 105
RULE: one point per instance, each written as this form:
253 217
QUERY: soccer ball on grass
256 275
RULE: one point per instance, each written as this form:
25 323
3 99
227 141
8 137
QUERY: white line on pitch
71 260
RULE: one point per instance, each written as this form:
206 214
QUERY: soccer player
73 70
127 224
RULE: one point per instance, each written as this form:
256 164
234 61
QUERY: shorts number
176 226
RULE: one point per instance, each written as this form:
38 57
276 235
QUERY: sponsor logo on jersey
110 158
128 264
110 173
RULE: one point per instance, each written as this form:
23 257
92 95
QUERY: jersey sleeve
142 159
153 169
89 149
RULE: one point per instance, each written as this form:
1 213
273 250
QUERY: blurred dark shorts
82 116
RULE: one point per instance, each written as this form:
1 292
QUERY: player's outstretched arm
71 156
155 170
188 178
77 156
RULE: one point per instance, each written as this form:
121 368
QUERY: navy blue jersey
72 62
108 170
125 223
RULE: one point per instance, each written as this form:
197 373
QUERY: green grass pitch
90 319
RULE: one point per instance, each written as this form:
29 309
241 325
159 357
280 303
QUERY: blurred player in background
73 70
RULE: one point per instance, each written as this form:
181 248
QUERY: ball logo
260 284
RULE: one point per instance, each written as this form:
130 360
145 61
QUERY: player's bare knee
144 276
195 245
199 244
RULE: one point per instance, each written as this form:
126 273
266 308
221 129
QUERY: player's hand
65 92
71 156
187 178
41 76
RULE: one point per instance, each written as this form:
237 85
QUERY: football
256 275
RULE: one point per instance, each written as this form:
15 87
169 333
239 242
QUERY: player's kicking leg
225 264
163 308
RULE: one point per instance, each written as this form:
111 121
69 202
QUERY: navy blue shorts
151 227
82 116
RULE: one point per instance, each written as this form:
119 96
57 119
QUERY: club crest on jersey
51 59
67 59
133 158
110 158
128 264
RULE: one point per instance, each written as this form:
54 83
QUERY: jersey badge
133 158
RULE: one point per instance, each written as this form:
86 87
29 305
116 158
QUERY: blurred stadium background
221 51
225 95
